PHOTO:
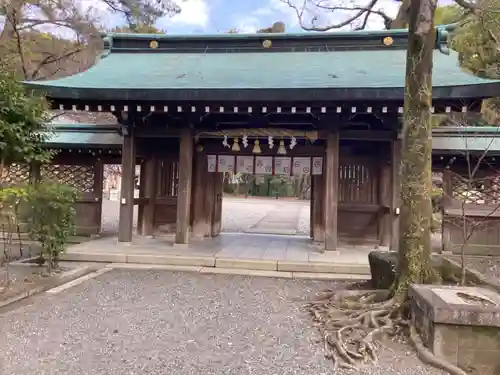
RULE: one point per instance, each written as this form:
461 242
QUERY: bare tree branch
308 13
353 13
307 8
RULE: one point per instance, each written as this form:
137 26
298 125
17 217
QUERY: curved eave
95 94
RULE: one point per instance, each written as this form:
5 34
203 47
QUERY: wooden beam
367 135
125 225
331 190
214 146
396 193
184 190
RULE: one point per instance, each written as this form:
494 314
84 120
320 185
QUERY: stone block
323 267
247 264
460 325
94 257
177 260
383 267
247 272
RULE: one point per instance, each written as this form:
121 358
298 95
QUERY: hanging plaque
264 165
212 163
301 166
282 165
317 165
226 163
244 164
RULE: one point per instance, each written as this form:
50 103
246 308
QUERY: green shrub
51 220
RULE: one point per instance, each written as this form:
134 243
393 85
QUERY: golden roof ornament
267 43
388 41
153 44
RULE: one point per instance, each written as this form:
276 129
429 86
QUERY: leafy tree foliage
139 29
22 116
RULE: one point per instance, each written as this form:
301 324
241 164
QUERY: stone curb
221 262
472 274
62 279
240 272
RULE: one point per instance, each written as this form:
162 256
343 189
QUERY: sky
213 16
216 16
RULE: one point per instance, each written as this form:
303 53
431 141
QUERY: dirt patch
22 280
15 280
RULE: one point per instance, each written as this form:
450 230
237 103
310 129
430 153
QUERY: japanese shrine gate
192 107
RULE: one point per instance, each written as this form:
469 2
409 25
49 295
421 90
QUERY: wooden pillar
385 203
396 193
184 187
149 180
98 190
142 194
199 211
447 199
331 187
126 223
218 188
317 203
209 203
311 210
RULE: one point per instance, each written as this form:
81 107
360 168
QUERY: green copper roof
84 136
303 67
467 138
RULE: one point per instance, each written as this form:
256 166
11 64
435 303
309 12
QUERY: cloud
193 13
265 16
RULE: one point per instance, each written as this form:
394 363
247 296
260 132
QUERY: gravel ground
145 322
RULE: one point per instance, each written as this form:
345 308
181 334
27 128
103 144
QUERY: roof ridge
345 40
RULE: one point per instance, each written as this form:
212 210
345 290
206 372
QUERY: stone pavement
149 322
283 218
242 247
229 250
252 215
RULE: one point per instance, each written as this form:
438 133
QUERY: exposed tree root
426 355
354 322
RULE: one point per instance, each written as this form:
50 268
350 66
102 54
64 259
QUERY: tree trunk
416 211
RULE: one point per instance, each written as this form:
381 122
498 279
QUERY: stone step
208 261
